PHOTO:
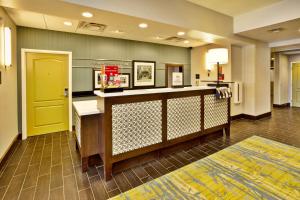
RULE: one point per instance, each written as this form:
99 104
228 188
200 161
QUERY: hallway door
47 97
296 84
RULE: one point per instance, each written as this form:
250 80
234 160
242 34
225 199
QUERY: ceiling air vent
91 26
174 39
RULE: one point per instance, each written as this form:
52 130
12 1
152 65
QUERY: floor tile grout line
15 172
62 169
74 170
7 161
103 182
39 172
28 168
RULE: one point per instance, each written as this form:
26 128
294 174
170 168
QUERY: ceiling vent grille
91 26
174 39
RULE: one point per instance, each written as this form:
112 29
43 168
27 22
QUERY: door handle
66 92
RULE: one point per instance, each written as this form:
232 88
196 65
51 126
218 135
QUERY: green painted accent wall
96 47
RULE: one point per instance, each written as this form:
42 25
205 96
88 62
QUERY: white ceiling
233 7
49 17
291 30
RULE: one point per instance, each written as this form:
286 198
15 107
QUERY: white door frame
23 83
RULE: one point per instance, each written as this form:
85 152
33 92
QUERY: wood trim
237 117
251 117
10 150
282 105
105 150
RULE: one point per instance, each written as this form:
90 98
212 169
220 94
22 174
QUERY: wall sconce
217 56
7 47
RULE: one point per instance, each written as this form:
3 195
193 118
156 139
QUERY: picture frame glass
177 79
97 79
144 73
124 80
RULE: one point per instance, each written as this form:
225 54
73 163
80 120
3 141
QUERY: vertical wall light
7 47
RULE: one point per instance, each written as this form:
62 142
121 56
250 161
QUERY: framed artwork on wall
124 80
143 74
97 79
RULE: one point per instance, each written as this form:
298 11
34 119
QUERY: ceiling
233 7
46 15
290 30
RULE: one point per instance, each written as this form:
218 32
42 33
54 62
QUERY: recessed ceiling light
159 38
276 30
67 23
118 31
87 14
143 25
186 41
181 33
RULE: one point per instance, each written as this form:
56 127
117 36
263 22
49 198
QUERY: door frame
24 84
291 81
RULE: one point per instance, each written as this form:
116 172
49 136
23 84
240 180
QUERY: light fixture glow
7 46
217 55
158 38
87 14
181 33
143 25
67 23
186 41
118 31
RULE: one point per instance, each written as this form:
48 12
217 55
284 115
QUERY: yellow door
47 101
296 85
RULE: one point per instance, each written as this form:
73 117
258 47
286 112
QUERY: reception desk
138 122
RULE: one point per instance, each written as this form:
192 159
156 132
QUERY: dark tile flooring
48 166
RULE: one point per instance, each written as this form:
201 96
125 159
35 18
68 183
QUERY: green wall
94 47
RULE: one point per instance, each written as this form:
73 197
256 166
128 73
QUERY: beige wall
198 65
8 91
237 75
262 78
248 64
282 79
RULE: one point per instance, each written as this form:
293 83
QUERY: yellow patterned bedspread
256 168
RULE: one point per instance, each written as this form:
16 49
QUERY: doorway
296 84
46 92
170 68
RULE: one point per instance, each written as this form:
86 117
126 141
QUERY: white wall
282 79
262 78
237 75
248 60
8 91
285 10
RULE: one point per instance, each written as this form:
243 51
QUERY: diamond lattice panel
215 111
136 125
184 116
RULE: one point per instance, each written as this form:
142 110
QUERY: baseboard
236 117
10 150
282 105
251 117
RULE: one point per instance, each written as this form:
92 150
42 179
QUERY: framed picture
97 79
143 74
177 79
124 80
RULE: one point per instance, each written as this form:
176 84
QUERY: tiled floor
48 167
